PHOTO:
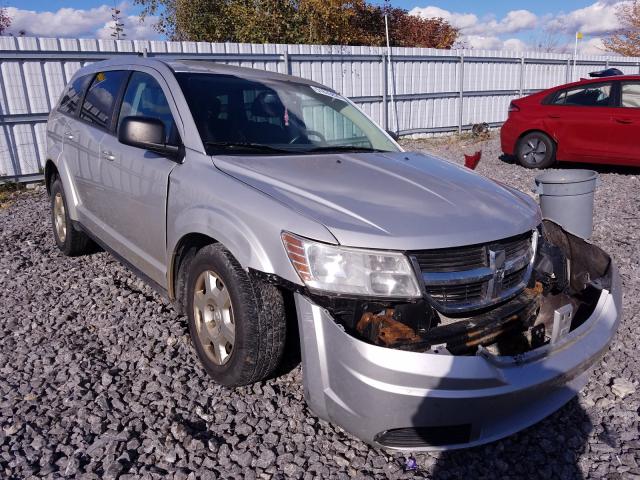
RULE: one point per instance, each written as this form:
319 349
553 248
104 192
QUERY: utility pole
118 25
390 66
575 53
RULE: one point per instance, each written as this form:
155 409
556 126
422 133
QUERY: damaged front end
502 335
560 287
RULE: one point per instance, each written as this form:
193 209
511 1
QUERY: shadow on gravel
549 449
617 169
510 159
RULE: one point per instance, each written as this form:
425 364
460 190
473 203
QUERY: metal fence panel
420 91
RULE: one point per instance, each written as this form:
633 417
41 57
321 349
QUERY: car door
579 119
625 126
138 179
63 129
95 120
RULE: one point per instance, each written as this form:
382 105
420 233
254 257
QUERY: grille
451 259
457 293
416 437
467 278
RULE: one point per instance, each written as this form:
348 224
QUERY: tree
626 41
118 25
547 42
5 20
326 22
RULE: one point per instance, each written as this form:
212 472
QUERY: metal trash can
566 197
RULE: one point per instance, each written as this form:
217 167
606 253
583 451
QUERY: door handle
553 115
625 121
107 155
68 135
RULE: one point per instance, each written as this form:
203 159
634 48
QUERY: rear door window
630 94
587 96
101 98
72 95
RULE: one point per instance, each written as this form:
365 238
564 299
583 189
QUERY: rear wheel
237 323
70 241
536 150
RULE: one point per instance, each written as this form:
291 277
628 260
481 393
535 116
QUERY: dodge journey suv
434 307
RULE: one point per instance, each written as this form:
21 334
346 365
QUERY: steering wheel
307 133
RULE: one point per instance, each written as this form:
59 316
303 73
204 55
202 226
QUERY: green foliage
325 22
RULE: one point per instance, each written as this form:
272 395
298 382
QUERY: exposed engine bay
563 289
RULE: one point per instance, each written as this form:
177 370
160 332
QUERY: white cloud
134 29
593 46
470 24
515 45
493 42
459 20
490 33
596 19
517 21
72 22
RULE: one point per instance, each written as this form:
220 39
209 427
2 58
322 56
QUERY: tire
536 150
237 324
70 241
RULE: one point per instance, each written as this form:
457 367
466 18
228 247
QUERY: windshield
237 115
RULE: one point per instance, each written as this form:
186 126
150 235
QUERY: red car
595 120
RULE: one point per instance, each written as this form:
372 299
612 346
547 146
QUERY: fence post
461 98
287 61
385 84
568 73
522 66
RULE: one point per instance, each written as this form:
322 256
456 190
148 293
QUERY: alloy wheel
534 151
213 314
59 217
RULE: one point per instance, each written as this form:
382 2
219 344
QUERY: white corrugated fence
434 90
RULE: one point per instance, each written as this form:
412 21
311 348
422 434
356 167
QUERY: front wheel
237 324
536 150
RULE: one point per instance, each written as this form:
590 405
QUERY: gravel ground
98 379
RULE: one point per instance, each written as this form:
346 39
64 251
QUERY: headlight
355 271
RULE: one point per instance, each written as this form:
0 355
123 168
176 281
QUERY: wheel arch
187 244
50 173
535 130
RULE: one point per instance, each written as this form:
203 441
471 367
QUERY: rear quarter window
586 96
72 95
631 95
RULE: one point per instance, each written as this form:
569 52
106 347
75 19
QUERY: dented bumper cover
433 401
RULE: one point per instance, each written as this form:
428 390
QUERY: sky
491 24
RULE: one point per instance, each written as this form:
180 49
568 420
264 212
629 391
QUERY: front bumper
439 400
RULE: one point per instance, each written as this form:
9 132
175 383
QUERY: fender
203 200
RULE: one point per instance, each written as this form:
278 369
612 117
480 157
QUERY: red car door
579 119
625 126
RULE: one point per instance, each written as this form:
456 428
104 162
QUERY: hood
398 201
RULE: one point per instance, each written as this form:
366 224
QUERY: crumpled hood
400 201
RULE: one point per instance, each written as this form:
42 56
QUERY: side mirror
393 135
147 133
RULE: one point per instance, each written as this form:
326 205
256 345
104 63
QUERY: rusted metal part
465 335
383 329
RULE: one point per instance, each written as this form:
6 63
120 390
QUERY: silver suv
434 308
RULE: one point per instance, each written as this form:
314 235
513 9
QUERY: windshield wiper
343 148
258 147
